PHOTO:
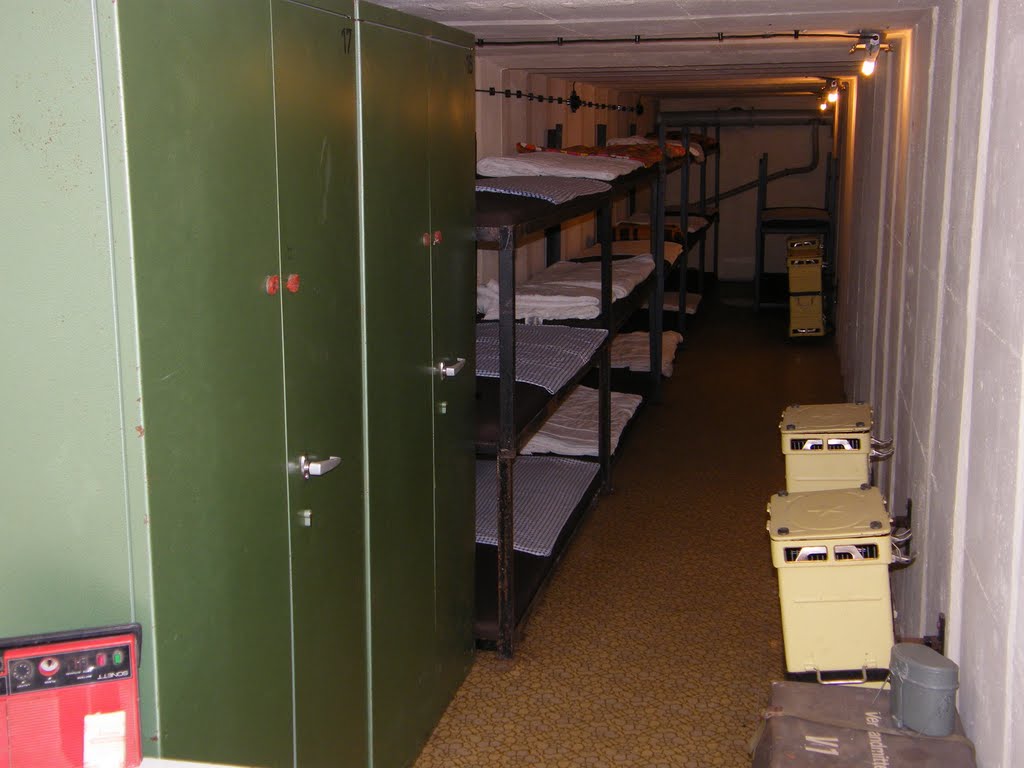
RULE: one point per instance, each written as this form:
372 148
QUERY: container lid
827 417
916 663
828 514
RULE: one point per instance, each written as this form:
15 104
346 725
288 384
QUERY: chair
793 220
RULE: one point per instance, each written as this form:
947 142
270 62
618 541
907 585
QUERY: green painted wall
66 442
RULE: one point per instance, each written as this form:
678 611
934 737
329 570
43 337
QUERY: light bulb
823 106
833 97
867 67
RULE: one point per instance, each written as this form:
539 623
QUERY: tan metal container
805 316
832 551
804 272
826 446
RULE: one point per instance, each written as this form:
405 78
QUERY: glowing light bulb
867 67
823 106
833 97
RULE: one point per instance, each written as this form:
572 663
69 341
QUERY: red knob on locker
437 237
292 283
272 285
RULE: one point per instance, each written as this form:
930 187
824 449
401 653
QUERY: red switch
292 284
272 285
437 237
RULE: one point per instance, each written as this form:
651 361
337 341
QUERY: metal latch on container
881 449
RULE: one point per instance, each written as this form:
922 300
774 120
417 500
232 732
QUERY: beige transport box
832 551
805 316
826 445
804 273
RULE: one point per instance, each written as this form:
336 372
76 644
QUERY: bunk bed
700 218
512 569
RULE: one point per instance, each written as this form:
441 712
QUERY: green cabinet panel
450 146
314 65
419 278
198 95
400 377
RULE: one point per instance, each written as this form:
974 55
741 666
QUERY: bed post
718 192
506 439
604 409
684 221
657 302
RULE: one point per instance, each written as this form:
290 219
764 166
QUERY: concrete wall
932 332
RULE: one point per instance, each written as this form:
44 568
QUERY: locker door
453 270
314 57
400 378
198 97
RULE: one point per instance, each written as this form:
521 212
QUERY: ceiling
784 64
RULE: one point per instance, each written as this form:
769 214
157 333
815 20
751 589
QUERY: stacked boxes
831 545
805 257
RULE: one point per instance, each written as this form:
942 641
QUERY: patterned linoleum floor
659 633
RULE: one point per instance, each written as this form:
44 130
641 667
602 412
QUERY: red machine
70 699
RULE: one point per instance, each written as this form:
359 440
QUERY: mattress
545 493
555 164
572 430
547 356
633 351
672 251
553 189
566 290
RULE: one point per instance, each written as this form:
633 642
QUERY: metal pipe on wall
748 118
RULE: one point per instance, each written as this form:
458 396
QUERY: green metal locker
217 295
419 275
315 99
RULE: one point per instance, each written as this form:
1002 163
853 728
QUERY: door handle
317 467
447 369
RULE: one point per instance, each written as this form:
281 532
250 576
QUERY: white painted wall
932 332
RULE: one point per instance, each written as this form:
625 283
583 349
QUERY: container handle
845 681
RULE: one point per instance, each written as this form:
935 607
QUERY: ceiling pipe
743 118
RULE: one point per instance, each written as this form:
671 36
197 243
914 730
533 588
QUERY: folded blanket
566 290
553 164
695 148
572 429
633 351
554 190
